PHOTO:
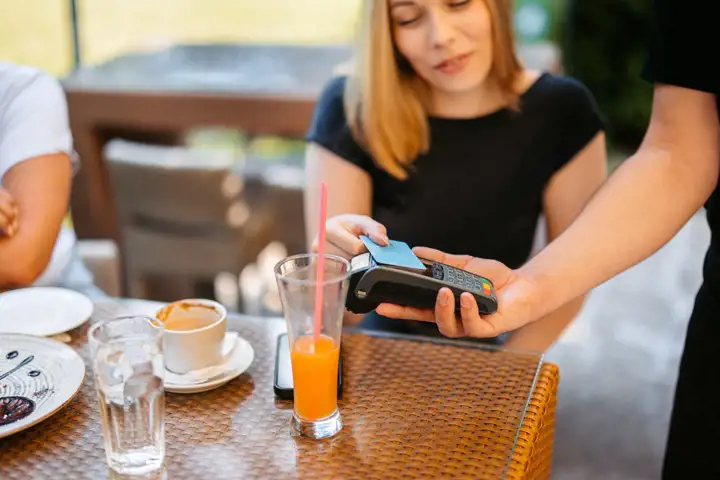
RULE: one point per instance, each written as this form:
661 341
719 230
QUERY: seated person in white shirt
36 166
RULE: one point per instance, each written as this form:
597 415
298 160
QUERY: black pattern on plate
18 367
13 409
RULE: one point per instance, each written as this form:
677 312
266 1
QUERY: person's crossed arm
35 176
639 209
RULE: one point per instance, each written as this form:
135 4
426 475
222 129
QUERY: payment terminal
373 282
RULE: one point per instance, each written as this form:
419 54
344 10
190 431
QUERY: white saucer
43 311
239 360
38 377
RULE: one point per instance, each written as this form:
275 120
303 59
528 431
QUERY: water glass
314 358
127 358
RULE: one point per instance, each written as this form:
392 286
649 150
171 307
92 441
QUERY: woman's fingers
364 225
344 240
457 261
405 313
447 322
344 231
473 324
377 233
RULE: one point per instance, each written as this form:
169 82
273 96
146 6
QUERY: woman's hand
517 298
343 232
8 214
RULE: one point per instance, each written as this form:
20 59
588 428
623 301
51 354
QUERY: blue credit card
397 253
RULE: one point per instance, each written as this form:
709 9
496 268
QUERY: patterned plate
38 377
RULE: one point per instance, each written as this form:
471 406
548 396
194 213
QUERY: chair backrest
184 212
184 195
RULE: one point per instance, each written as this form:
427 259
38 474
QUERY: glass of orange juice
314 354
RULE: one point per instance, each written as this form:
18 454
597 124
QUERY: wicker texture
532 457
410 409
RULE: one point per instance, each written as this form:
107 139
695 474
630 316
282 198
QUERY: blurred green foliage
604 45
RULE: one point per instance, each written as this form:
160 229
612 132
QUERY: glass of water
127 358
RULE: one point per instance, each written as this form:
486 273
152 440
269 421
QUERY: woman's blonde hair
385 101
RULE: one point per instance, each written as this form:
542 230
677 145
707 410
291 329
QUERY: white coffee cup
197 340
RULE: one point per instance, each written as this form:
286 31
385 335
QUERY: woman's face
447 42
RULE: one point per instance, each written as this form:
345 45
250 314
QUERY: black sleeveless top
479 188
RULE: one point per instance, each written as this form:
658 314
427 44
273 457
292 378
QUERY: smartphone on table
283 384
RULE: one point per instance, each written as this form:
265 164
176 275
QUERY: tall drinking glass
314 357
127 357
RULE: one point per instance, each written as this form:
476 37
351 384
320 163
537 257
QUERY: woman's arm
41 189
565 196
349 188
349 191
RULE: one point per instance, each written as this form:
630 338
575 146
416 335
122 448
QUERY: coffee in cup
185 315
194 334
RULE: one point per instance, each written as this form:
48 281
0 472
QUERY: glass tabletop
435 408
488 387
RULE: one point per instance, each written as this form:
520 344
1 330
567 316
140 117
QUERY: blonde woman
439 137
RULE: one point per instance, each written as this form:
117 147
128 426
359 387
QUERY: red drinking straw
321 262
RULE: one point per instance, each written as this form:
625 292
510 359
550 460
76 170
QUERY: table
157 96
410 408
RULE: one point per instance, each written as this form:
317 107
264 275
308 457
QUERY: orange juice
315 374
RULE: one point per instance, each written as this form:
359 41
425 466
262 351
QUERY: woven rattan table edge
532 456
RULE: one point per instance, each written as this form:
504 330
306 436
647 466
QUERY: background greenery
604 45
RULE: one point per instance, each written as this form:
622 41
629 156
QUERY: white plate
44 375
43 311
238 361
